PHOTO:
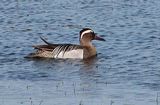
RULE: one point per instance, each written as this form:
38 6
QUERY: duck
64 51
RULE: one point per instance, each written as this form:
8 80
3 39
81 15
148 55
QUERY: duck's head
87 35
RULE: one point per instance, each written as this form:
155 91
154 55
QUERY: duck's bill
99 38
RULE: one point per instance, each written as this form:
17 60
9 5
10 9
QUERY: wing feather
55 50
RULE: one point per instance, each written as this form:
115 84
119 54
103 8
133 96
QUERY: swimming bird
82 51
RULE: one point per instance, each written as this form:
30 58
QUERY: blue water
125 72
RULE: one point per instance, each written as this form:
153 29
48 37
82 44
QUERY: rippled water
125 72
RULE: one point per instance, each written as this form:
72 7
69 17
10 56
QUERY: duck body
63 51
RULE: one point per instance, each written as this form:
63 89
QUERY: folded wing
57 51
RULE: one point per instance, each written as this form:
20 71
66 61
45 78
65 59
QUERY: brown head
87 35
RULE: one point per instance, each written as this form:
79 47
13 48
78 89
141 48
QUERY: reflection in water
90 61
86 69
89 76
42 63
68 70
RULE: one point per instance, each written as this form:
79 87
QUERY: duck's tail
45 41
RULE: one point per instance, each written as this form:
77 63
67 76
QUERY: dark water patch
24 75
6 60
153 86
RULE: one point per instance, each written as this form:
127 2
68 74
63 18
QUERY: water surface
125 72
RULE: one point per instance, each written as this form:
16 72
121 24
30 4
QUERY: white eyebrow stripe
87 31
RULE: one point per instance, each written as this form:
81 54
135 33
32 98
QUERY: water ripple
127 65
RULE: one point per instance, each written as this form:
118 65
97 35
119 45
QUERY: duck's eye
93 36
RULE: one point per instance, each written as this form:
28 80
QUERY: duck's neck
86 43
89 49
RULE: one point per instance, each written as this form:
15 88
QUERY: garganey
82 51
